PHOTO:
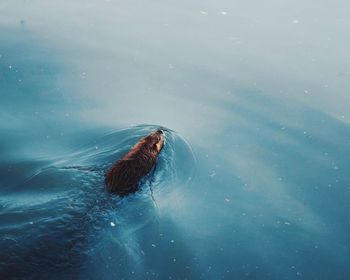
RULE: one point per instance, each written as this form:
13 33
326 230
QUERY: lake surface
253 181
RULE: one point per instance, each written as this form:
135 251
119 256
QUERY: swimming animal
124 176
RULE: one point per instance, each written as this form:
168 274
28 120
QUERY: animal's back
125 174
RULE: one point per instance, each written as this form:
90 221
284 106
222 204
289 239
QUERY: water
253 181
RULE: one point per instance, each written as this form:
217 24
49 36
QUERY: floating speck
112 224
204 13
296 21
153 245
227 199
224 13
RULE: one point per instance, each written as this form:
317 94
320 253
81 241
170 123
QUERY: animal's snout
160 131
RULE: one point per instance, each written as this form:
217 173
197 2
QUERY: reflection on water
258 90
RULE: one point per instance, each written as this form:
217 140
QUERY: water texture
253 180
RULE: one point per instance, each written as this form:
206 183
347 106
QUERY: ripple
64 206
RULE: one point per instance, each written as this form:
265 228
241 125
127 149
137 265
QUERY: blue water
253 180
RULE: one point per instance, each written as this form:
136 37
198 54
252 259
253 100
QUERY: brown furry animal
125 174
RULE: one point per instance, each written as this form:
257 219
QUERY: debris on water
204 13
213 173
172 241
227 199
224 13
296 21
112 224
153 245
287 223
31 223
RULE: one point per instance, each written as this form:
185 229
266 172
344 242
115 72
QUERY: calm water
253 182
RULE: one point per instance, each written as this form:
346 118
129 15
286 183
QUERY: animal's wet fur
124 176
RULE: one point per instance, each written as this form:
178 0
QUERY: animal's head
155 141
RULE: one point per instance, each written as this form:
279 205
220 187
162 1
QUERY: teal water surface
253 182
